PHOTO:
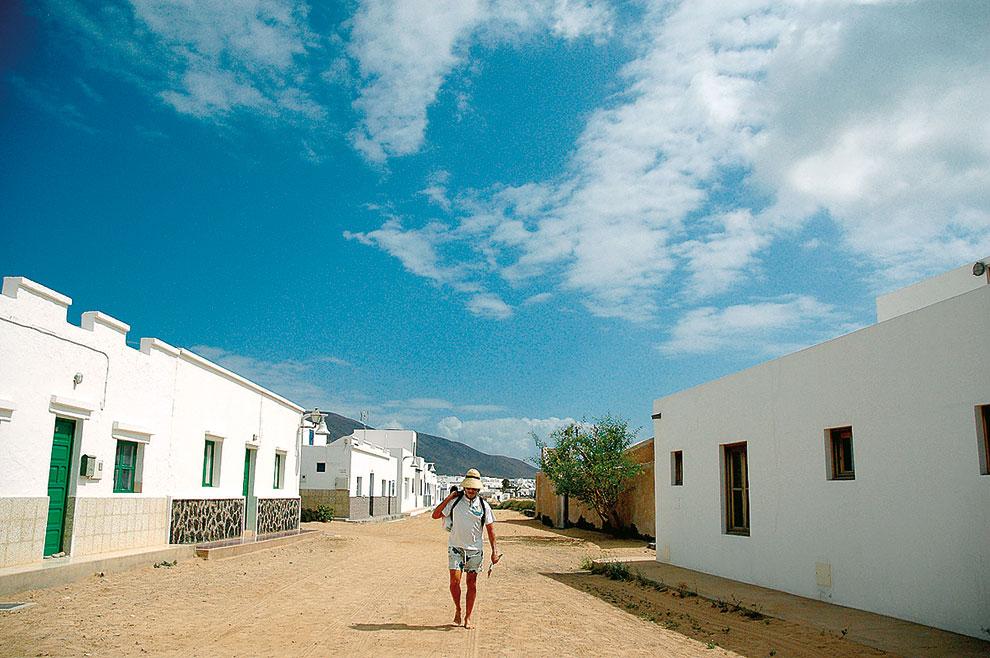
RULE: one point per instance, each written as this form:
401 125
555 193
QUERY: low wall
635 508
200 520
99 525
278 514
336 498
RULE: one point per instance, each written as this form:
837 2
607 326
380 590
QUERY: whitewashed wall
910 536
168 399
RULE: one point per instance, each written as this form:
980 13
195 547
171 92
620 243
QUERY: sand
363 588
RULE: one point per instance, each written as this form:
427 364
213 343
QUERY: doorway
247 490
58 483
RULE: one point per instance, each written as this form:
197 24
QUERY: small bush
323 513
518 504
587 564
612 570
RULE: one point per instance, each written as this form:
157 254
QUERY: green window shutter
209 452
123 467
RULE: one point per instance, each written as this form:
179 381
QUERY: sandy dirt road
351 590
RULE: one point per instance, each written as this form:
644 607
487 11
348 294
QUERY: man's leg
472 592
455 593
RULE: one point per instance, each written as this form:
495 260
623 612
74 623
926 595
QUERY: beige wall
98 525
636 505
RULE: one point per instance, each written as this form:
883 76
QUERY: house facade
855 471
353 476
415 478
107 447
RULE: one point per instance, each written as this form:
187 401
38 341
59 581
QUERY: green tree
506 484
589 463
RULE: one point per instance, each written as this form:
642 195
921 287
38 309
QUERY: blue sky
485 218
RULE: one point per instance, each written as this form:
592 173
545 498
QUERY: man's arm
438 511
491 542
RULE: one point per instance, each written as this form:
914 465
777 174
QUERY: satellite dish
979 267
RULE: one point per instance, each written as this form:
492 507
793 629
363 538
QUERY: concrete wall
164 399
910 535
636 506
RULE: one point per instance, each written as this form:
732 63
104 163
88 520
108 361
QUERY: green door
247 473
58 483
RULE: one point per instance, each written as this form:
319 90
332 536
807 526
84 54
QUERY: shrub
518 504
323 513
612 570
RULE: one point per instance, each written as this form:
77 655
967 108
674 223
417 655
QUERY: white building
105 447
416 480
353 476
855 471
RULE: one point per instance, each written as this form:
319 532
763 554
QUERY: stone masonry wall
22 530
336 498
199 520
278 514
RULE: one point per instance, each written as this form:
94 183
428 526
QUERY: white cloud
500 436
874 113
763 329
291 378
487 305
405 51
207 59
538 298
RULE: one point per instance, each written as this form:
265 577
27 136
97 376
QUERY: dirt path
356 589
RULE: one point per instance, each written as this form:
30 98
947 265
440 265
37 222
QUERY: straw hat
472 480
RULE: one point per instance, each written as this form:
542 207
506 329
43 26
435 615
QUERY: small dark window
321 467
985 427
840 441
736 490
677 468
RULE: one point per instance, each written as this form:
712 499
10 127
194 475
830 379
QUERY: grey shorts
464 559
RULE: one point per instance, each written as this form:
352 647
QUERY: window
384 490
677 468
124 467
391 488
840 441
358 486
984 427
279 470
312 436
405 487
736 489
210 464
321 467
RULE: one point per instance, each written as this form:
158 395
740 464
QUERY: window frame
132 468
210 458
357 487
321 467
279 481
676 468
983 428
732 526
836 451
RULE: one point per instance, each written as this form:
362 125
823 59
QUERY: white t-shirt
466 531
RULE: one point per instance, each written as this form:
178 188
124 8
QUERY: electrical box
91 467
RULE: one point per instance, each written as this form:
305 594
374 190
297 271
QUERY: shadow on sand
402 627
599 539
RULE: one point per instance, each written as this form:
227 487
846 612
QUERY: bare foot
467 623
457 618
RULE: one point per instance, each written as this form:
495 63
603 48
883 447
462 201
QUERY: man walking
469 514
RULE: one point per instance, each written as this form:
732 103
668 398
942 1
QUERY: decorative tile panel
278 514
101 525
201 520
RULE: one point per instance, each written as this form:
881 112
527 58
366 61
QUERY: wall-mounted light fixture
77 379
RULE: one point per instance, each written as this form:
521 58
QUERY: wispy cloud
405 51
300 380
760 329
